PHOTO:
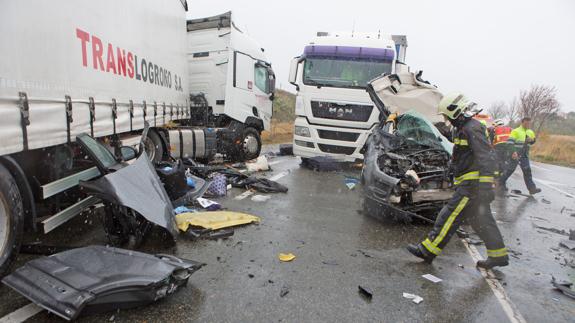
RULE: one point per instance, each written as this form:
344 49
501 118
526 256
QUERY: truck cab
334 112
230 70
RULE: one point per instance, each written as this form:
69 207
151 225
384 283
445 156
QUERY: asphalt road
337 249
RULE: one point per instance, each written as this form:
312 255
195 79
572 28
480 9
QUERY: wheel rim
251 145
150 148
4 225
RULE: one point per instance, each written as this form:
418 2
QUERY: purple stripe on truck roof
348 52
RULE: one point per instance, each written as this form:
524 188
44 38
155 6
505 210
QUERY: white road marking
508 307
278 176
243 195
22 314
547 183
540 167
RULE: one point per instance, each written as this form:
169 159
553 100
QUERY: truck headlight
299 106
302 131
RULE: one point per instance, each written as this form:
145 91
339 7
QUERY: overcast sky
489 50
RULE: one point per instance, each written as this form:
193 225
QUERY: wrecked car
406 171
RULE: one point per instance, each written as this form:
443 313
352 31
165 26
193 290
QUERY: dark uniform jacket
473 156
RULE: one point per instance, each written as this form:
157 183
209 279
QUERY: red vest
501 134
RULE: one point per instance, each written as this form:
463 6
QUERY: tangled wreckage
406 171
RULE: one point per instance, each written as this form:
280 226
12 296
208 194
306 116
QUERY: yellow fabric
497 253
285 257
466 177
433 246
213 220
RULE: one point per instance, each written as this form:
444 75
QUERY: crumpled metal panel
97 278
136 186
399 93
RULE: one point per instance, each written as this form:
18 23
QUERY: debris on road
545 201
321 164
284 291
432 278
365 292
70 282
554 230
286 150
415 298
218 186
213 220
208 204
286 257
569 244
260 198
564 287
262 185
351 182
183 209
259 164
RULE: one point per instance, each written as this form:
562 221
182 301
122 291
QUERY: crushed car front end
406 170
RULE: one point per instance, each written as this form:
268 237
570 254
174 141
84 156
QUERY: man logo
340 113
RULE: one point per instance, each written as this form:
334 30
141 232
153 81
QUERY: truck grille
348 112
338 135
336 149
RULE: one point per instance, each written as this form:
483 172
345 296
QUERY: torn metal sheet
213 220
137 187
97 279
564 287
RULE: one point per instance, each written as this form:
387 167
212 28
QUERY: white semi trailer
104 68
334 112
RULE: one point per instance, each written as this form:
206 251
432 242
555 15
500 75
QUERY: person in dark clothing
521 138
474 167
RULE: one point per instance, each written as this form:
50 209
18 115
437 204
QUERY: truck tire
154 146
250 144
11 220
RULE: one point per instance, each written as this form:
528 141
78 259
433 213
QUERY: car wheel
11 220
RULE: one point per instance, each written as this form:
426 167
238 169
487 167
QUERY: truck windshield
346 73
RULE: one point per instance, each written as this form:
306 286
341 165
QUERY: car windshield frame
441 142
345 69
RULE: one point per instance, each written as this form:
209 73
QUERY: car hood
399 93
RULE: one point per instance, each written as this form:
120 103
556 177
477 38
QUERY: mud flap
97 279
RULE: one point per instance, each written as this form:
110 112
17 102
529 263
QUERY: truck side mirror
293 70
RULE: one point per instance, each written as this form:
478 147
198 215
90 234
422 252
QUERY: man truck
105 68
334 113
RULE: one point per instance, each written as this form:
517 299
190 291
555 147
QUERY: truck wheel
11 220
154 146
251 144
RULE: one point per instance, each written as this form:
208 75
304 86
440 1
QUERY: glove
485 192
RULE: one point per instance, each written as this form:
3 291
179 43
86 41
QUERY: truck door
264 80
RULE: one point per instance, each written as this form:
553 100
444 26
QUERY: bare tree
539 102
497 110
512 111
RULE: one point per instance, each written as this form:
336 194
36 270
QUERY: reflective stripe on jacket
501 134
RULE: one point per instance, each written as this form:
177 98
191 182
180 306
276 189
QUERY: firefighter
474 164
521 138
499 135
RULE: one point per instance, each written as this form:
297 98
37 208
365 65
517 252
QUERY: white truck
104 68
334 112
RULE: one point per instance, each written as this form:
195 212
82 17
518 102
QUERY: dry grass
554 149
280 132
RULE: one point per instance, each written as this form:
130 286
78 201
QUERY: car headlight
302 131
299 106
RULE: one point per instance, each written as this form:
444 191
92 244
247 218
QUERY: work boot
534 190
493 262
416 251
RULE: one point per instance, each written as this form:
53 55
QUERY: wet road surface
337 249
